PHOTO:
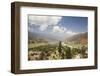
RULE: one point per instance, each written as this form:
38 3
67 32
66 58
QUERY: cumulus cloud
71 32
44 21
62 30
57 29
51 23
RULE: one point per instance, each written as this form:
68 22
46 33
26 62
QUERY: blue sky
77 24
59 26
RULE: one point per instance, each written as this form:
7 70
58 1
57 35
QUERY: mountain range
81 38
78 38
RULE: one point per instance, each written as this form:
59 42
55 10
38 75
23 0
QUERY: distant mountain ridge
36 36
81 38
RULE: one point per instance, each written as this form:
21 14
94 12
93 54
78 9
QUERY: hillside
81 38
41 36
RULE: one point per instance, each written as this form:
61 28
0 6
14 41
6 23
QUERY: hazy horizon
57 27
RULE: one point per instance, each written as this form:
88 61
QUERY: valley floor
56 51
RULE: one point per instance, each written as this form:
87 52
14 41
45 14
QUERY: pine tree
68 53
59 47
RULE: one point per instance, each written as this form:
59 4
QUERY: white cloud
44 21
43 27
57 29
63 31
70 32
